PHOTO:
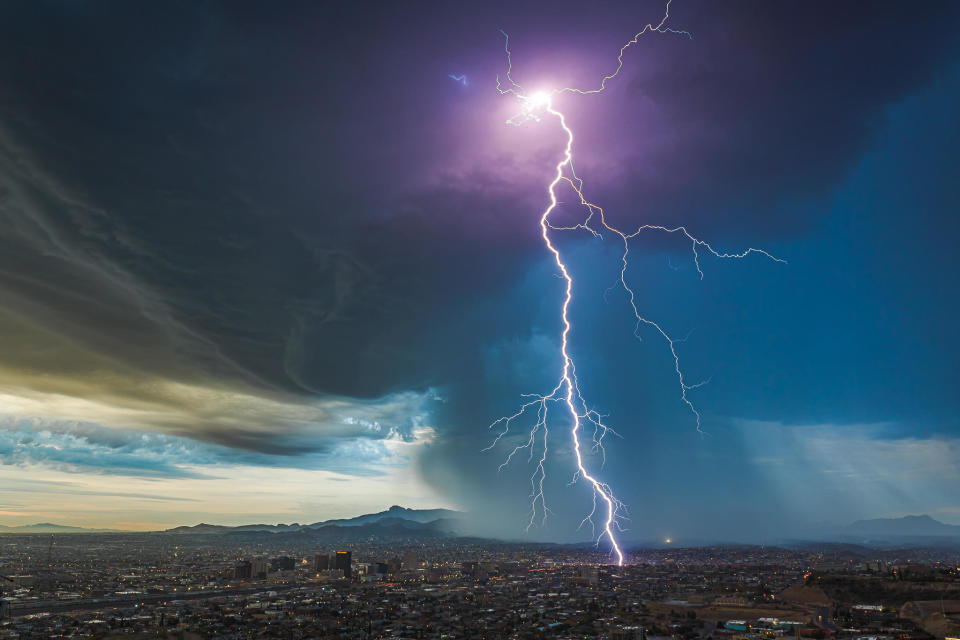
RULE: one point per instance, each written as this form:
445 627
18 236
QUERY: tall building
259 568
242 570
321 562
343 561
393 565
473 569
411 562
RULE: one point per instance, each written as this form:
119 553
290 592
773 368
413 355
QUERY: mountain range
49 527
398 523
907 526
878 533
440 519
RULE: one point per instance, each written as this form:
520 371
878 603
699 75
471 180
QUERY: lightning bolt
534 108
462 79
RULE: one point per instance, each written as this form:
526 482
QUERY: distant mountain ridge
400 523
48 527
203 527
909 526
413 515
442 520
394 520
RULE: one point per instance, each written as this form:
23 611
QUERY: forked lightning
534 107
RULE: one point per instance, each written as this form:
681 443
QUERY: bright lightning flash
539 100
534 107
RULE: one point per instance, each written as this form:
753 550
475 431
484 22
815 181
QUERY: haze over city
283 264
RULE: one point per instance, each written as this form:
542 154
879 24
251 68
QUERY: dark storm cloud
290 274
255 185
295 212
748 129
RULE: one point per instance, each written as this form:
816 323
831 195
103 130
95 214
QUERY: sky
273 264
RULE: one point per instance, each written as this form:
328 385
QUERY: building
394 565
259 568
473 569
627 633
321 562
343 561
283 563
411 561
242 570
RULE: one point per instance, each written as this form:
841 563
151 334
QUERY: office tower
242 570
342 561
259 568
321 562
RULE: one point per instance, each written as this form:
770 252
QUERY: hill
48 527
393 521
906 526
394 512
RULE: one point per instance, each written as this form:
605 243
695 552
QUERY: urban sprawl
168 586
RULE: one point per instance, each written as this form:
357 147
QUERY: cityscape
247 585
434 320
